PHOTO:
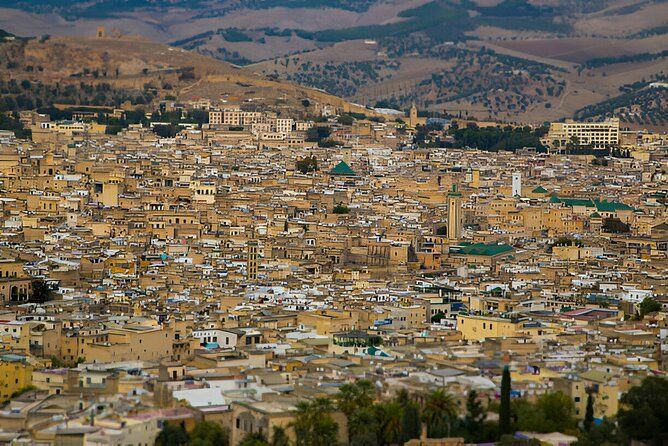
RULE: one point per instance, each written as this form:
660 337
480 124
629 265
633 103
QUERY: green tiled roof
481 249
539 190
586 202
453 192
611 206
599 205
342 169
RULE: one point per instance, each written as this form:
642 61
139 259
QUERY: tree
346 120
615 225
41 292
166 131
206 433
314 425
354 400
254 439
504 410
553 412
363 428
643 415
437 317
604 434
279 437
589 413
410 420
649 305
341 209
389 418
318 133
475 417
172 435
307 164
439 411
352 396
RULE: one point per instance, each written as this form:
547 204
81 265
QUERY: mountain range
516 60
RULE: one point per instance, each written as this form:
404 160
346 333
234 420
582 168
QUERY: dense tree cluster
26 95
10 121
370 422
615 226
495 139
307 164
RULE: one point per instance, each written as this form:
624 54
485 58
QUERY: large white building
597 135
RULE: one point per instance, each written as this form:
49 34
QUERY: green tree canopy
341 209
172 435
643 415
553 412
314 425
207 433
474 419
439 412
649 305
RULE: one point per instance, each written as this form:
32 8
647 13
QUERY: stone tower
454 214
413 115
252 261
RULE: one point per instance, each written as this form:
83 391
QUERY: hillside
516 60
109 71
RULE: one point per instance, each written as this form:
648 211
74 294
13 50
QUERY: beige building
598 135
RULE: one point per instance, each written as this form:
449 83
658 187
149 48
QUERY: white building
517 184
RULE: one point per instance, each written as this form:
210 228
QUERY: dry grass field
580 49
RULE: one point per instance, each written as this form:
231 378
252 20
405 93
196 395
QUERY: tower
413 115
517 184
473 177
454 214
252 260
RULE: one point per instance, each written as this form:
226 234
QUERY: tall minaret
413 116
252 260
454 214
517 184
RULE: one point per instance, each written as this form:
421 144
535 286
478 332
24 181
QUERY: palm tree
439 411
390 427
363 427
354 395
410 418
314 425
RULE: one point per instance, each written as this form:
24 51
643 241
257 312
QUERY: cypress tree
589 414
504 410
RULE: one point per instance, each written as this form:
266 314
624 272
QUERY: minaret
413 116
454 214
517 184
252 260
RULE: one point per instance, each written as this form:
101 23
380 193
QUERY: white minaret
517 184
